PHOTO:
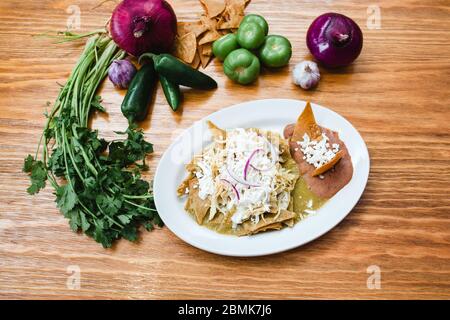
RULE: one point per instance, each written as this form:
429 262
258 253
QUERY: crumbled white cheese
316 152
243 193
240 145
309 203
205 180
321 176
308 211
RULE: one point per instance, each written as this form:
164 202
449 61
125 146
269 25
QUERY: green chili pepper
180 73
171 92
135 105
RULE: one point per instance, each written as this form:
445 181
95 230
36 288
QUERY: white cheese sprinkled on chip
316 152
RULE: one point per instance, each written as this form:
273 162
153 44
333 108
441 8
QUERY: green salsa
302 196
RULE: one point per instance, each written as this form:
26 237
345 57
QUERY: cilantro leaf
66 198
38 174
74 220
84 223
109 204
96 104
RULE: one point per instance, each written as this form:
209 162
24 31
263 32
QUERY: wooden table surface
397 95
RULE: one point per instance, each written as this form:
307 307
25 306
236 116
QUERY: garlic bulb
306 74
121 72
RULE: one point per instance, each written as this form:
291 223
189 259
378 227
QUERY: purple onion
121 72
142 26
334 40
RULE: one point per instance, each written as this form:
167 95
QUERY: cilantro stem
145 196
69 151
83 153
138 206
109 218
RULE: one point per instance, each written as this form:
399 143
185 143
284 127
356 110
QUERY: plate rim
282 249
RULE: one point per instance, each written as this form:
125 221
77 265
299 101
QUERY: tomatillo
276 51
256 18
250 35
224 45
242 66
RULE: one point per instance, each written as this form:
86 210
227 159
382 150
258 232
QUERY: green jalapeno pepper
171 92
180 73
135 105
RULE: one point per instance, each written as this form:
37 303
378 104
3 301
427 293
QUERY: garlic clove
306 74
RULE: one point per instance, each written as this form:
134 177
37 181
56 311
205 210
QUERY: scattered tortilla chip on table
186 47
196 62
213 7
220 17
207 49
197 27
204 59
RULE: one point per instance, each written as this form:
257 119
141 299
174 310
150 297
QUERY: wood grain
397 95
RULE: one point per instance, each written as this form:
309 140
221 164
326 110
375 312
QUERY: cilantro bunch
97 183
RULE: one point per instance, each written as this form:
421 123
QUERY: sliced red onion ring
238 180
248 162
274 153
234 188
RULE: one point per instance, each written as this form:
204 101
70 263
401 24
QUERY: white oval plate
271 114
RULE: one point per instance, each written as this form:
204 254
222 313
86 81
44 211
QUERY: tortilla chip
233 14
209 37
186 47
196 62
197 27
213 7
181 191
194 204
273 226
204 59
327 166
220 17
217 132
290 222
306 123
207 49
211 34
273 222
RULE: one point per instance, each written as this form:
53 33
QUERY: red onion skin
142 26
334 40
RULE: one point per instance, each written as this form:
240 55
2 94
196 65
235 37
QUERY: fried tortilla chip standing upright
306 123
